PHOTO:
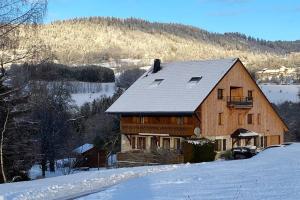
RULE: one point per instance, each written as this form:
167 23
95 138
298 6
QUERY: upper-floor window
180 120
142 120
250 94
195 79
250 118
220 118
220 93
156 82
258 119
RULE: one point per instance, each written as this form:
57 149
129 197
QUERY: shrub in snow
227 155
201 150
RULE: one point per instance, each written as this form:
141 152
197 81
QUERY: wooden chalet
215 99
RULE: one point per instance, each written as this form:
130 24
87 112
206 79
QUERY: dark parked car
243 152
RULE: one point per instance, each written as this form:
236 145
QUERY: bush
196 151
227 155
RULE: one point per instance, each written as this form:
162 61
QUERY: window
258 119
256 139
265 141
220 94
154 141
220 119
195 79
156 82
166 143
238 143
261 141
250 94
224 145
133 142
240 119
142 120
218 145
180 120
141 143
247 142
250 118
177 145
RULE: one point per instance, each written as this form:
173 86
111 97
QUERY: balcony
240 102
171 129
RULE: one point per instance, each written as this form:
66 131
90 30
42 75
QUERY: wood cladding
265 121
171 125
214 116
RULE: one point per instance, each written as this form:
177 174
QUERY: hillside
96 40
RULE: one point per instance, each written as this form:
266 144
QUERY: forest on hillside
60 72
98 39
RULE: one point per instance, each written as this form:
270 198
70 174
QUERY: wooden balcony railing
239 102
171 129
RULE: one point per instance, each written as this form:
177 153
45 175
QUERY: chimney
156 66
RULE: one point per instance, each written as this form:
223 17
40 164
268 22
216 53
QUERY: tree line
59 72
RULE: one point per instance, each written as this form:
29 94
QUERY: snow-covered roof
84 148
248 134
172 89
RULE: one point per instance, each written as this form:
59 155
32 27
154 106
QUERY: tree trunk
1 148
52 165
44 168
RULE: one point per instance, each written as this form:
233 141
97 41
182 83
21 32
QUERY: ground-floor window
166 143
247 141
133 142
154 143
255 141
224 145
218 145
265 141
141 143
238 143
177 144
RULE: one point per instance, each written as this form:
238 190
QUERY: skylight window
195 79
156 82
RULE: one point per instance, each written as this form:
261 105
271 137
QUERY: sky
266 19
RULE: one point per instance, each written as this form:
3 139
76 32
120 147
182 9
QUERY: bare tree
18 21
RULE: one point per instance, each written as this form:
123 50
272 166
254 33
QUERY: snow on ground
280 93
273 174
70 186
88 92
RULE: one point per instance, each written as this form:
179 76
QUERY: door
274 139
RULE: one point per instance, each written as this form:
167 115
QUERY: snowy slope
280 93
273 174
66 187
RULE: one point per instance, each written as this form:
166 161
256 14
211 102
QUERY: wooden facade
235 102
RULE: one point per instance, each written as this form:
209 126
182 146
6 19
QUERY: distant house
90 156
215 99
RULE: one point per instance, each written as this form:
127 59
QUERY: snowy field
273 174
280 93
83 92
